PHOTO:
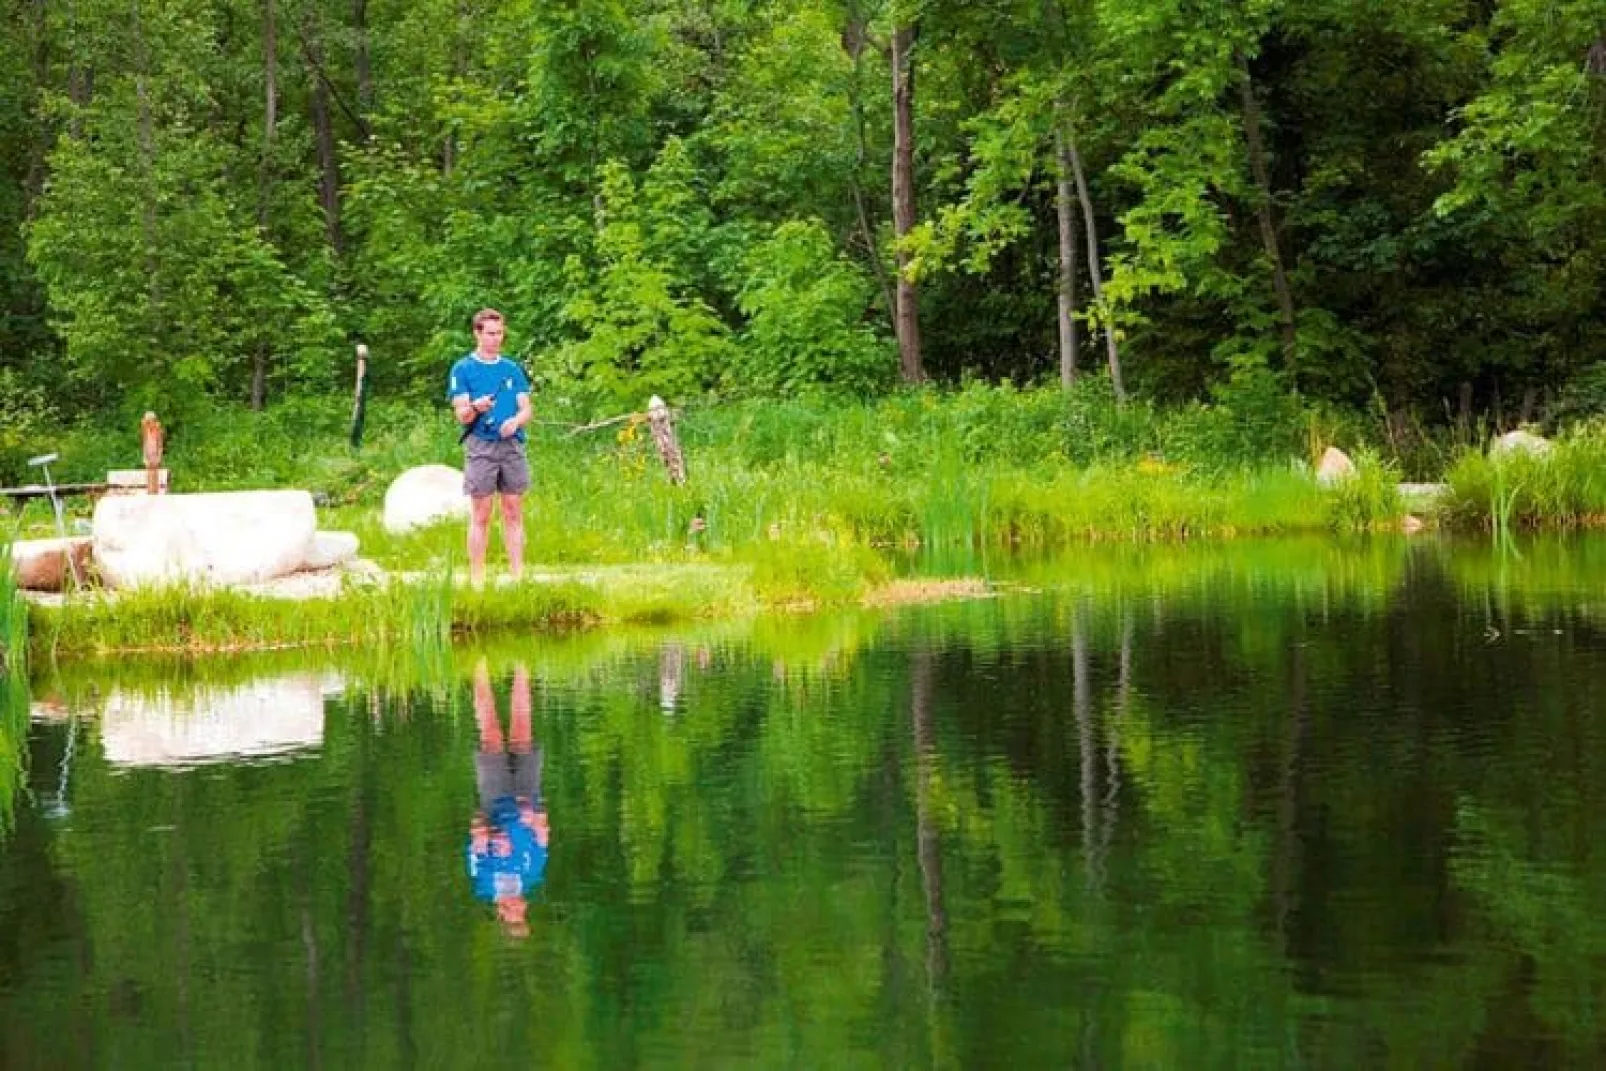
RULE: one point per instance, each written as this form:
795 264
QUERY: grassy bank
1565 488
979 465
788 503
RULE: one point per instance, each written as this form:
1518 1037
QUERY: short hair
484 315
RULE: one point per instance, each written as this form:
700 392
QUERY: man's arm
512 424
468 409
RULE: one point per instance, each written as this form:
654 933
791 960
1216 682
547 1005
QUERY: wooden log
663 436
39 490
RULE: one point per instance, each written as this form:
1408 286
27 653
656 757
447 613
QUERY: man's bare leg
479 534
520 738
485 711
513 534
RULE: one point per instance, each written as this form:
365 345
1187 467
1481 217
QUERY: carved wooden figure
150 441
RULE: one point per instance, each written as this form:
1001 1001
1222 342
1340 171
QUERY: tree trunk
927 837
1112 348
270 131
1263 202
1087 752
145 138
324 139
459 70
903 201
365 76
1064 203
33 183
853 42
78 80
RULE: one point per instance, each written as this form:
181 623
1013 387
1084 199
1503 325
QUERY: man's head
513 912
489 329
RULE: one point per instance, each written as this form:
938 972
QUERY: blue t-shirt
517 873
503 379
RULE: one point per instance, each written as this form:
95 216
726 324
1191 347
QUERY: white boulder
1513 443
424 495
41 564
1335 467
238 537
330 549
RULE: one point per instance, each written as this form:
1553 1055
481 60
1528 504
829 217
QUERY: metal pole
42 462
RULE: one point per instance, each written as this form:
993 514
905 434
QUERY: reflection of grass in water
423 613
13 689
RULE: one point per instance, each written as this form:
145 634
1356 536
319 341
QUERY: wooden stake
359 405
663 436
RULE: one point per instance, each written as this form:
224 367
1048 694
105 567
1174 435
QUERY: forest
1392 209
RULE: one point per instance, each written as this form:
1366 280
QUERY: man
491 398
507 843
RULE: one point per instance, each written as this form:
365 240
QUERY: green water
1269 805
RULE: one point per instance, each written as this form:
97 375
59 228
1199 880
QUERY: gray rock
1517 442
1335 466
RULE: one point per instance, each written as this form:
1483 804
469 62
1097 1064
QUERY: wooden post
359 405
150 441
663 436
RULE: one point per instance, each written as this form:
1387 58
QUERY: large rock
330 549
239 537
1335 467
424 495
273 716
41 564
1514 443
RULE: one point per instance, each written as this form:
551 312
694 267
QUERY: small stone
330 549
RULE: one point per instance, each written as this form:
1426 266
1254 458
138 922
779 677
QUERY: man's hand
510 427
483 403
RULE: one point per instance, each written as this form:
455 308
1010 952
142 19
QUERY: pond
1269 804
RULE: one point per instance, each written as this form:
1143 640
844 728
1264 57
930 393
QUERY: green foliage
159 281
1252 416
806 330
684 199
644 330
27 424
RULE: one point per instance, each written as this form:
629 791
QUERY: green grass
1563 490
802 503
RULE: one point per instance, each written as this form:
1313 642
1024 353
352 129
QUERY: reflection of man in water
507 842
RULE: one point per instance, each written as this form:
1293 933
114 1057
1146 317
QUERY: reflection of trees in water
926 834
1263 798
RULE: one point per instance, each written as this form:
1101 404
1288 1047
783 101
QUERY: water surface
1276 805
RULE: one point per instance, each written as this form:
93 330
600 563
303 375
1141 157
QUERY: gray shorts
508 773
494 467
